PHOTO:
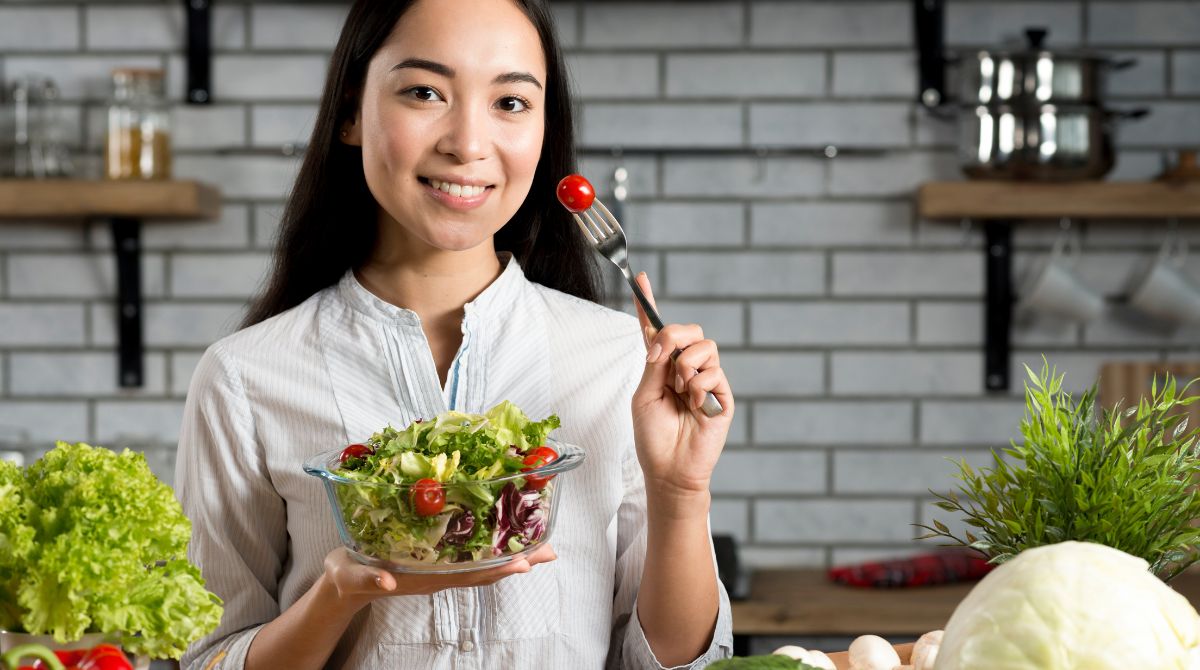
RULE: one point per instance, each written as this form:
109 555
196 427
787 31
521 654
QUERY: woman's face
450 122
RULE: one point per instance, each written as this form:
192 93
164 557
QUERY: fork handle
711 406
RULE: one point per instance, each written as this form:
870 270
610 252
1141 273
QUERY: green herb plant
92 542
1122 478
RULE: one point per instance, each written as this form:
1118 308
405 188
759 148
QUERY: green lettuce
766 662
101 547
16 541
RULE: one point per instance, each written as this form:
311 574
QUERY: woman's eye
423 93
513 104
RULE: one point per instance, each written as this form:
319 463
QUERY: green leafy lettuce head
16 541
109 546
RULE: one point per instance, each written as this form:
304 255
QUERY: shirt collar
495 300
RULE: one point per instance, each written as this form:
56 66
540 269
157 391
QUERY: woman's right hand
357 584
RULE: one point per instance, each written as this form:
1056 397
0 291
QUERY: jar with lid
139 139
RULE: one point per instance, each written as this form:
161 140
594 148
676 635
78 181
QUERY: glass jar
139 139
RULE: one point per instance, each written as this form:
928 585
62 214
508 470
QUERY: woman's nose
466 134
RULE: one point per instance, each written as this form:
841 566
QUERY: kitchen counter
805 604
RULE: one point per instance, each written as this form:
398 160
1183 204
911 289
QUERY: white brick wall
292 28
850 331
662 24
758 178
991 23
746 76
23 29
614 76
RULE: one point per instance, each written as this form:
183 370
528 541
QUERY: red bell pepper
45 658
99 657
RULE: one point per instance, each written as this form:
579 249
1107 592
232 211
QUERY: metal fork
601 228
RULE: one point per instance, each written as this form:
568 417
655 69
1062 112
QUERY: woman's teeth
457 190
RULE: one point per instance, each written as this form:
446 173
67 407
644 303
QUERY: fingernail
379 582
678 383
646 335
655 352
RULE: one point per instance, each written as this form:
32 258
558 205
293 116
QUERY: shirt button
468 645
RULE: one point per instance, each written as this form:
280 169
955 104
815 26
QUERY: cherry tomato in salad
355 451
576 193
428 497
536 458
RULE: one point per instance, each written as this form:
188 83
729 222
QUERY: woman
424 265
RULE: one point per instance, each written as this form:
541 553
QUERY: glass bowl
379 526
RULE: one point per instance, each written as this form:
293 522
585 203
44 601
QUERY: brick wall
850 329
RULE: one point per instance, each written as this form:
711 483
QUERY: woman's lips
456 201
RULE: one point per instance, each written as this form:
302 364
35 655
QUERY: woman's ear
351 132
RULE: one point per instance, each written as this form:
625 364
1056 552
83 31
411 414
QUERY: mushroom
818 659
871 652
814 658
791 651
924 652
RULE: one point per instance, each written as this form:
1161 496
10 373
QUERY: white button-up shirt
345 364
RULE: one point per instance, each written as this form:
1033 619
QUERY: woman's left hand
677 444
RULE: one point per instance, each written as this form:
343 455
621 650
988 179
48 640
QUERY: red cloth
942 567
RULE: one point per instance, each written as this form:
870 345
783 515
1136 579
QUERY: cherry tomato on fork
536 458
576 193
355 451
428 497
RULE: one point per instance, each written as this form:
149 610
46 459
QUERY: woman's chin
463 242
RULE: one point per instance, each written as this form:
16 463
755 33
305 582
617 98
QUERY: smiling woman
423 266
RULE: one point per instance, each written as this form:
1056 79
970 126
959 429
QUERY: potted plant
1124 478
93 549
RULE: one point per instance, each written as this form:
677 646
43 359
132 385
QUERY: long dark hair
329 224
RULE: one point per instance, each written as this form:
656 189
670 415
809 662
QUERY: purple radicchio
460 528
519 514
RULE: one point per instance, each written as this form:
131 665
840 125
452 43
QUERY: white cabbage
1072 606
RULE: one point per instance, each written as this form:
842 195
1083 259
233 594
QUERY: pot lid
1035 47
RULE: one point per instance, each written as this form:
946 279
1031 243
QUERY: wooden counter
804 603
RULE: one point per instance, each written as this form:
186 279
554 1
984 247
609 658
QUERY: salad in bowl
455 493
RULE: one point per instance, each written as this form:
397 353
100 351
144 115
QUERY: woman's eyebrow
448 72
424 64
514 77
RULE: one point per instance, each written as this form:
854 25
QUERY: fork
603 231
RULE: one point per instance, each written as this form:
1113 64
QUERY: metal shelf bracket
127 247
998 300
199 51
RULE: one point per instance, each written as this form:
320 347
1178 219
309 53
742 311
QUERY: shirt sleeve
629 649
239 525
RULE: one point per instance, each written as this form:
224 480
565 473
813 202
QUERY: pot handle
1121 64
1128 114
1036 37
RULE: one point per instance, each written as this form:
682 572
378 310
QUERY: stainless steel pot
1035 75
1046 142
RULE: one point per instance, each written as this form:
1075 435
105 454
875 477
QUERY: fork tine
611 220
587 233
599 231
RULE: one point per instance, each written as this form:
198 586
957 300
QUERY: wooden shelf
124 204
1001 204
805 603
1034 200
71 198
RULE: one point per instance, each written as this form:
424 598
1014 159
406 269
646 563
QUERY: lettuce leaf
16 541
108 554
